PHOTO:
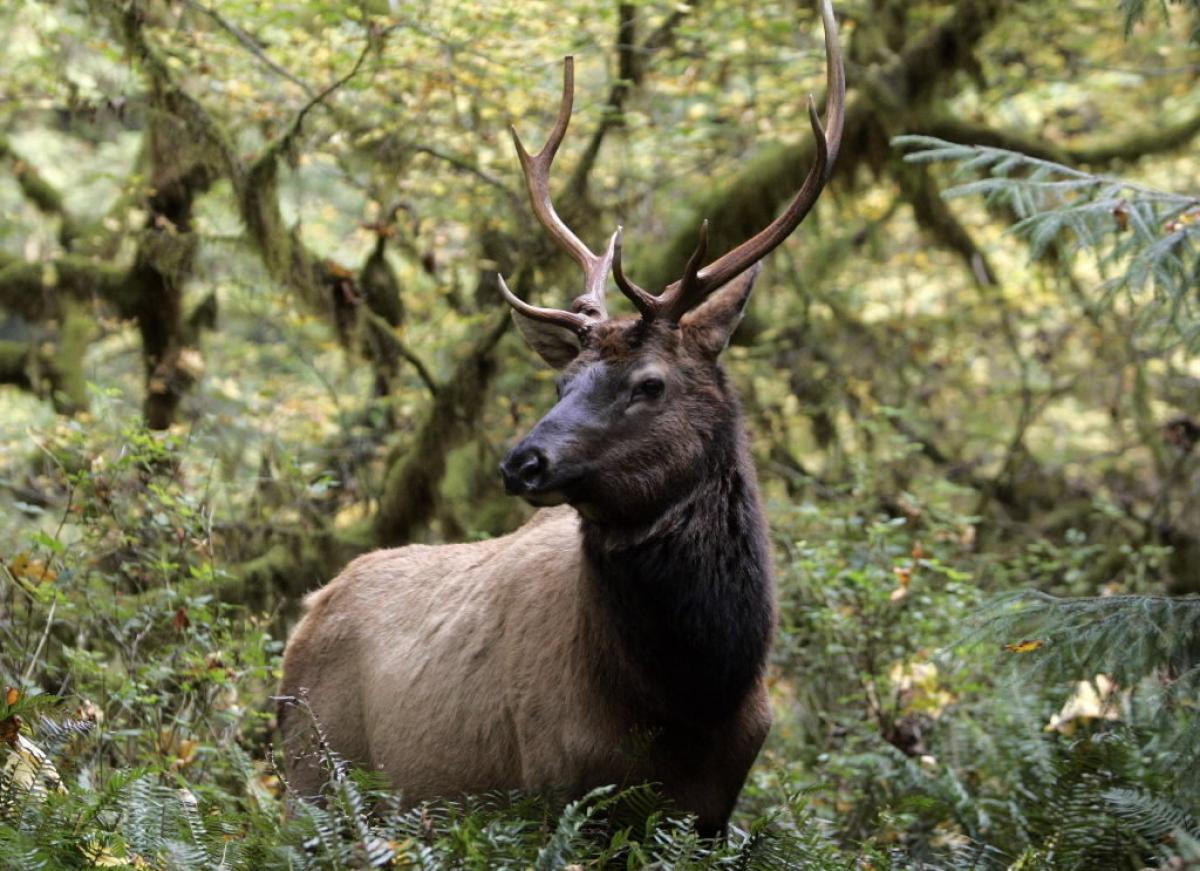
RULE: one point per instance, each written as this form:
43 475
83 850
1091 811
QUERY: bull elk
622 634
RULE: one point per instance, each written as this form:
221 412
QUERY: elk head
643 406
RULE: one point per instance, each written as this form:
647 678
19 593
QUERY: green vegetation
249 329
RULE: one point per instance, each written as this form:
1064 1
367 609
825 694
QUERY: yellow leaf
103 857
25 566
904 580
919 688
1023 646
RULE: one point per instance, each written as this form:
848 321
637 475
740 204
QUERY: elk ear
557 345
710 325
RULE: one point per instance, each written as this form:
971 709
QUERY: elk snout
524 469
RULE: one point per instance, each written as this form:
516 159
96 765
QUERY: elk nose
523 470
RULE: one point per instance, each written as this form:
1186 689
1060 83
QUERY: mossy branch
632 59
410 486
45 197
386 332
288 260
935 217
256 184
1152 140
1149 140
35 290
281 143
755 194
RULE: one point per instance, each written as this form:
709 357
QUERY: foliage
1142 239
1135 12
894 731
270 232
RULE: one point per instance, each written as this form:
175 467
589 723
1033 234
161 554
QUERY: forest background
249 328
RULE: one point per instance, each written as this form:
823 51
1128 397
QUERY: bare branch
463 166
284 139
388 332
632 60
251 45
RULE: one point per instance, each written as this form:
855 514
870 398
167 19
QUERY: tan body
469 667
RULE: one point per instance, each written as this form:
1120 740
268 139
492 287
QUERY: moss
294 564
472 486
936 219
14 363
69 384
1150 140
411 484
45 197
31 290
283 254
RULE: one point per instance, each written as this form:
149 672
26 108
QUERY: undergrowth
911 732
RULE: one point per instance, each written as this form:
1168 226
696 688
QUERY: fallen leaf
103 857
1092 700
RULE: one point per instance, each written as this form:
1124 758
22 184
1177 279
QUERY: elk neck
678 614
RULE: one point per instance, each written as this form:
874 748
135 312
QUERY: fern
1158 822
1148 646
1144 242
1126 637
566 835
1134 11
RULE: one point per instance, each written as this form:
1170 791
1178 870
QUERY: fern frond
564 839
1147 239
1126 637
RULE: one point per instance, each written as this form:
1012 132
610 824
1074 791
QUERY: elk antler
681 296
588 308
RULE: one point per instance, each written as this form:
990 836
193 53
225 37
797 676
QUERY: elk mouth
544 493
544 498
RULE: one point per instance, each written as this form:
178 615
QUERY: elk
621 635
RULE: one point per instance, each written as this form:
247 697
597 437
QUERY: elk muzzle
548 465
524 470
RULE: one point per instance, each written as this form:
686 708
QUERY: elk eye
648 388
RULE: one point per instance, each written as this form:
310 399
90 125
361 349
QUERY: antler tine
536 169
689 291
835 88
646 303
577 323
741 258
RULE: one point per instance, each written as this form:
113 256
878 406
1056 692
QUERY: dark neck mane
680 613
